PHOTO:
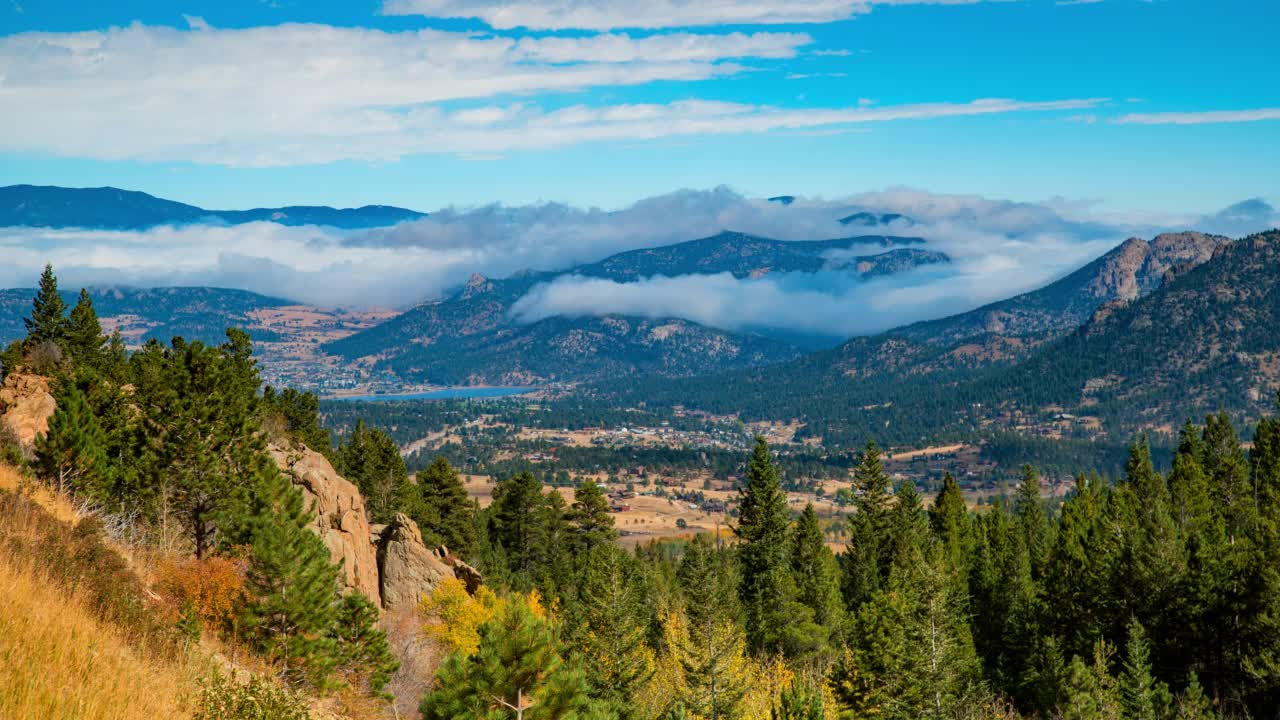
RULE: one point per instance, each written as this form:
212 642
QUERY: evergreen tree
949 521
361 646
799 702
1193 705
298 417
514 518
1093 694
84 338
292 585
817 575
589 517
1031 517
711 664
1189 499
867 560
1228 475
1141 695
610 628
447 515
48 321
371 459
910 653
767 591
519 671
199 439
71 454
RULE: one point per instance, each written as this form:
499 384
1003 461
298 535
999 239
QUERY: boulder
25 406
341 520
408 569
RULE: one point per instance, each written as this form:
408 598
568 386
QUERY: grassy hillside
47 624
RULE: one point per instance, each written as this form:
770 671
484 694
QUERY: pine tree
817 575
199 439
371 459
589 517
867 560
1031 516
298 415
1193 705
514 516
767 590
1141 695
1189 499
949 521
361 647
292 585
519 671
1228 475
910 653
799 702
84 338
447 514
610 626
71 454
48 321
1093 693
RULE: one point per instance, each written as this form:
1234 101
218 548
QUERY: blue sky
1164 106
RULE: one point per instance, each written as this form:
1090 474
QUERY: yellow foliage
60 662
453 617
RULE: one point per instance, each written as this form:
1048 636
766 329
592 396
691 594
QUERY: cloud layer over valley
998 248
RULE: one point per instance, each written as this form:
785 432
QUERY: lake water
453 393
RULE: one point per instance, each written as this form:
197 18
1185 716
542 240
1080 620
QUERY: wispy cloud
1202 117
613 14
296 94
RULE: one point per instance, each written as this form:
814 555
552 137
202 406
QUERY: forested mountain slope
1208 339
196 313
470 337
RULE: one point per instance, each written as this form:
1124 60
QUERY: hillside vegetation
63 659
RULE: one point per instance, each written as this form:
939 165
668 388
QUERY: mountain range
1150 334
109 208
470 337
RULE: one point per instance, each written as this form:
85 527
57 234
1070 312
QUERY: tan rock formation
408 569
25 405
341 521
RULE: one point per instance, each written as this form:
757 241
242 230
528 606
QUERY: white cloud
1204 117
296 94
998 248
612 14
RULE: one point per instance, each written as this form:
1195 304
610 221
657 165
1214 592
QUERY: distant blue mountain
110 208
868 219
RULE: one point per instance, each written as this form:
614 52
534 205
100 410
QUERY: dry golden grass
60 662
57 505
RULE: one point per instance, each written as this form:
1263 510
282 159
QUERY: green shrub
259 699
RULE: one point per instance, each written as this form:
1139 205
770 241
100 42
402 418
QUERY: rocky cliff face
390 564
1137 267
25 406
340 519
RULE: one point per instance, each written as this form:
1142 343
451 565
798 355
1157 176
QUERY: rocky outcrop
390 564
407 568
25 406
341 521
1137 267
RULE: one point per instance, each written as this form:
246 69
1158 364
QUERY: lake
452 393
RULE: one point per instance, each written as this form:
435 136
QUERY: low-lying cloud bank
998 248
